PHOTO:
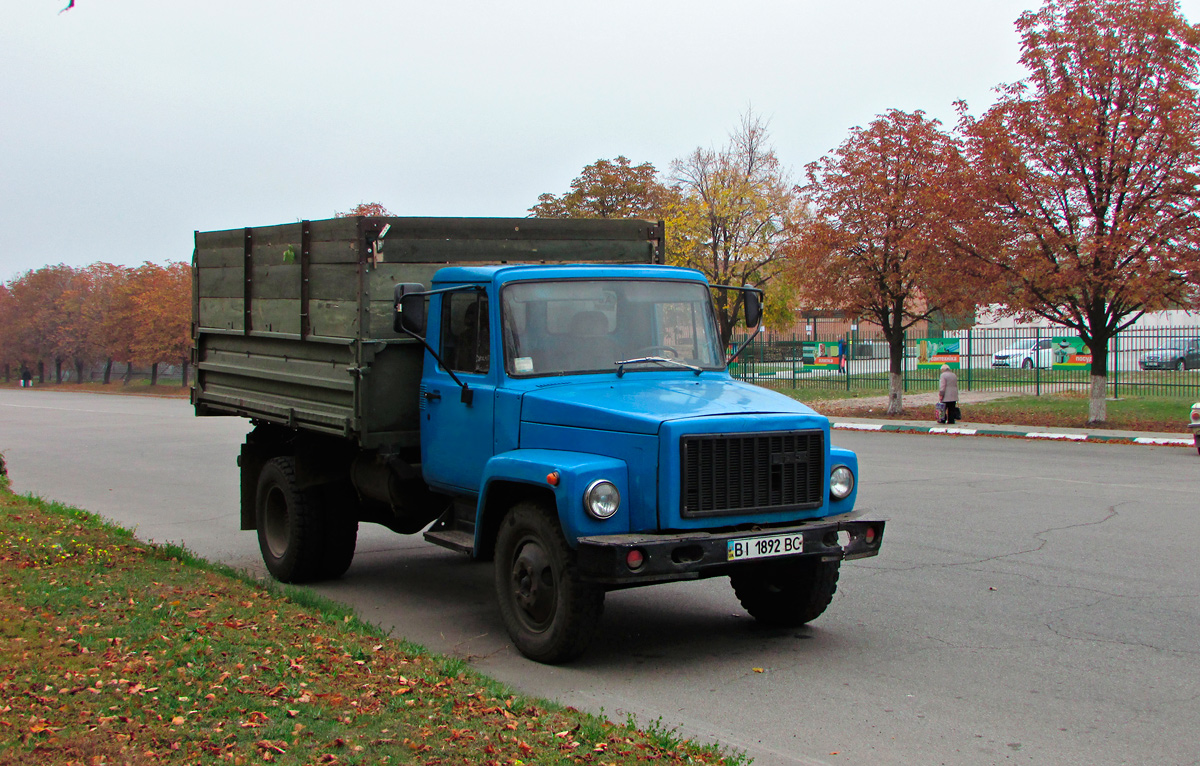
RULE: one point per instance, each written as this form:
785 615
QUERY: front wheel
1179 366
1027 364
787 593
549 612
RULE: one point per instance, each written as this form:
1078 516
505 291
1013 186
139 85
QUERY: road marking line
1070 437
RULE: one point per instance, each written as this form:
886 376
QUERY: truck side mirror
409 307
753 302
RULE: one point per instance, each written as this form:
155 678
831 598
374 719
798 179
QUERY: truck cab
596 402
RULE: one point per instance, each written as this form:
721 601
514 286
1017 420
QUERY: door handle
432 396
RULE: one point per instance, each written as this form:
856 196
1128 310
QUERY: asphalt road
1034 602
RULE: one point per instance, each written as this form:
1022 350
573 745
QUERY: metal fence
1161 362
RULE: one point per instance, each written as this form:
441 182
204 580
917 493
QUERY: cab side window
465 337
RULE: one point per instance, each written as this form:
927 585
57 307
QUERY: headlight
602 499
841 482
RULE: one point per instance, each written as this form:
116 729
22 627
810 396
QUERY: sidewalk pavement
1014 431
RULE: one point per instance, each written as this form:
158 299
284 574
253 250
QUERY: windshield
576 326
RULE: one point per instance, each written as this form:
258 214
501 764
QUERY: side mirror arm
752 300
468 396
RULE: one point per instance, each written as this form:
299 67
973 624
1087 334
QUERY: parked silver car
1176 354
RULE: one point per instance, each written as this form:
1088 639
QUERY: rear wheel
340 524
1027 364
304 534
1179 366
549 612
289 528
787 593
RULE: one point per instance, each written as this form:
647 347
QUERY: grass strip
1070 411
1149 414
114 651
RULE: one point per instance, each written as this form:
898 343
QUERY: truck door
456 437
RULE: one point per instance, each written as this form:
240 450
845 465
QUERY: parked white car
1026 353
1194 425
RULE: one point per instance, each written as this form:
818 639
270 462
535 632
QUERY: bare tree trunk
78 371
58 370
1097 404
128 374
108 371
154 374
895 372
895 393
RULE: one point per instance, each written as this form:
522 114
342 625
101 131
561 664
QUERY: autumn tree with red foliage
874 247
1086 171
105 314
373 209
61 314
609 189
161 312
39 326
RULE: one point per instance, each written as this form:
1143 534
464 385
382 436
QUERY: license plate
764 547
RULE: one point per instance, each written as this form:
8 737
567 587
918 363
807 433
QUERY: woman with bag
948 394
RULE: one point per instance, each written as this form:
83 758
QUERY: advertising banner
1071 354
823 355
932 353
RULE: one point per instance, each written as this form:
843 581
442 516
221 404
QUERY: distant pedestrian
948 393
26 378
842 355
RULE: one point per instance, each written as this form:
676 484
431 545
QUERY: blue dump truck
542 394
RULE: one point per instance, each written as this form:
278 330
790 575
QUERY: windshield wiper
656 359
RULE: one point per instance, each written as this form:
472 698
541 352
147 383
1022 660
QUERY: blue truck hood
631 405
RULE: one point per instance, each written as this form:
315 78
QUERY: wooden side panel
218 257
221 313
334 282
333 319
515 251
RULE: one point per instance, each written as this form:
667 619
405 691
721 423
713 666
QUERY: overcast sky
126 125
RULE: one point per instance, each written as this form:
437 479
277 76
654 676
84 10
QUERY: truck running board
454 539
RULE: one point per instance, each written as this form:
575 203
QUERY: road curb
1052 435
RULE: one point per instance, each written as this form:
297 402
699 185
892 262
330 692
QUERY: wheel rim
276 524
533 585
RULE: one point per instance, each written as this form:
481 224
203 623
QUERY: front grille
730 474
